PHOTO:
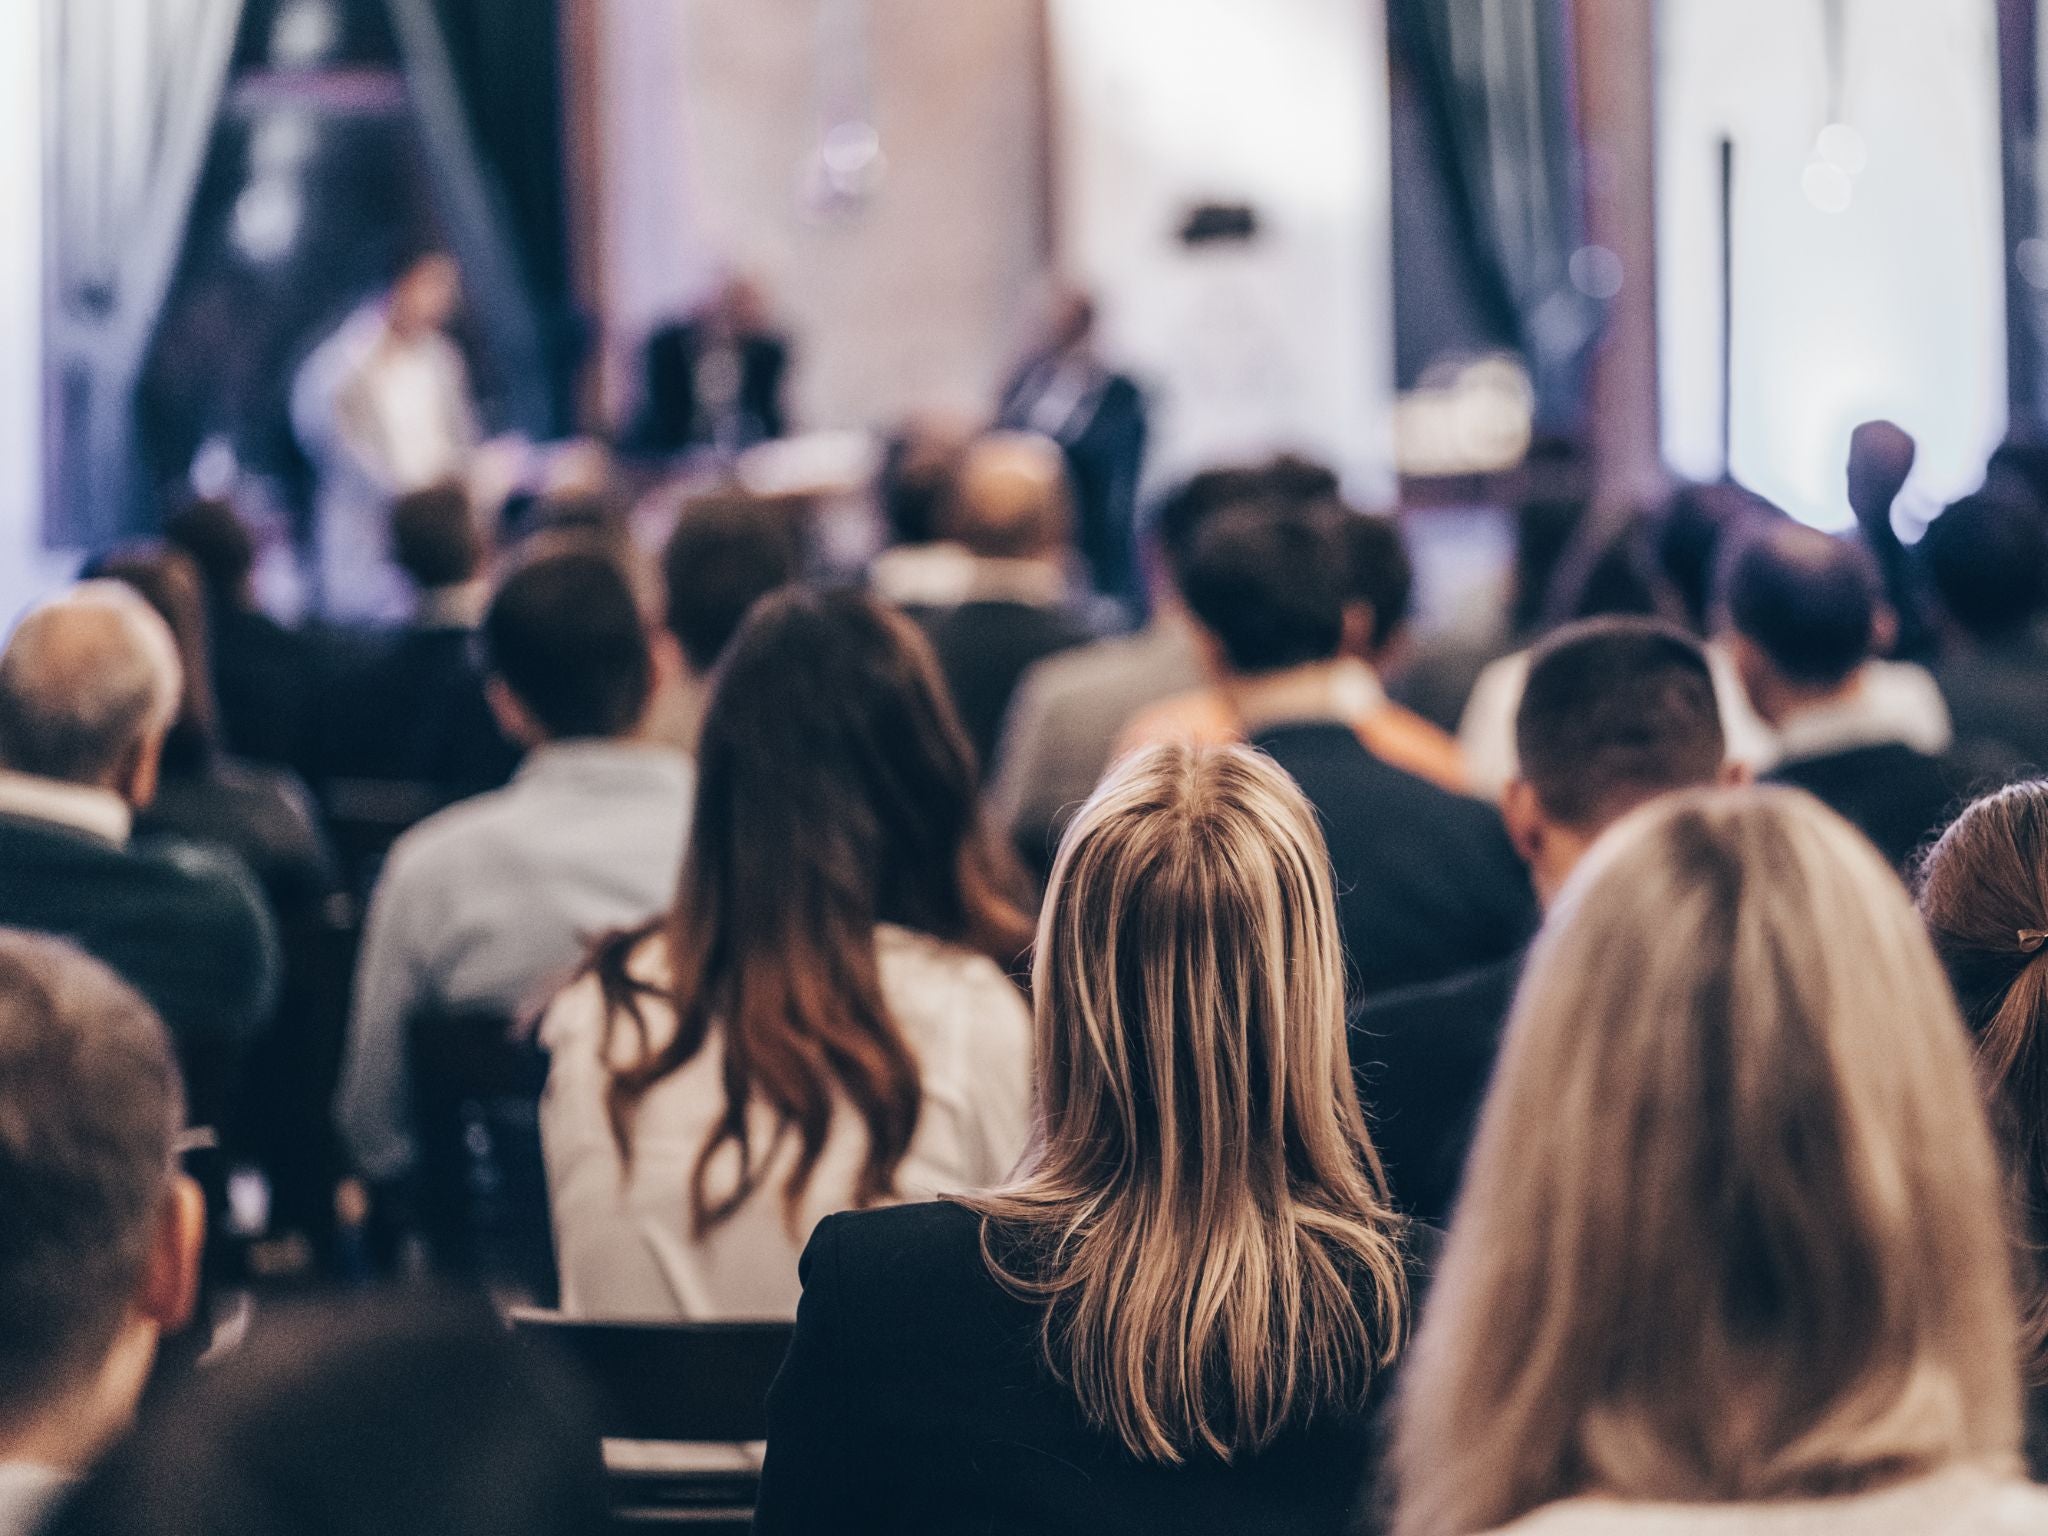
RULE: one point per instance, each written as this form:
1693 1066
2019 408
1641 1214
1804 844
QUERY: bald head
89 683
1010 498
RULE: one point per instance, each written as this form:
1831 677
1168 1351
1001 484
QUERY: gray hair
84 678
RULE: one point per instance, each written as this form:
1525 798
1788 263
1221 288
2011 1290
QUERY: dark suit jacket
1428 884
674 417
985 648
916 1402
1998 696
1424 1057
264 679
1900 799
187 928
409 706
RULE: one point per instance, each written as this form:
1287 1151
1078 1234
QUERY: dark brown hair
836 791
1984 895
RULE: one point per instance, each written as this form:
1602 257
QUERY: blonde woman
1174 1318
1729 1256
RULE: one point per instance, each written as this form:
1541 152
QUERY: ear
170 1278
1884 630
1523 813
670 666
1359 619
514 719
1735 775
135 779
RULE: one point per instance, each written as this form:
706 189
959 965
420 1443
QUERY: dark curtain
1494 78
506 59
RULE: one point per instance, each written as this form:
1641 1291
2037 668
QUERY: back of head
214 535
1984 895
419 1418
436 538
566 636
86 680
1807 601
169 581
727 552
1732 1228
916 476
1203 1212
1615 713
90 1109
1271 583
836 791
1010 499
1182 514
1382 575
1988 558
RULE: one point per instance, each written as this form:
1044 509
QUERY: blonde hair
1202 1211
1731 1228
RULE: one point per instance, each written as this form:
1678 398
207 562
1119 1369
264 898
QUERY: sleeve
371 1106
818 1480
234 941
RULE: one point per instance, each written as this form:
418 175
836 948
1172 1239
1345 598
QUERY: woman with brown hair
826 1019
1984 895
1729 1255
1173 1318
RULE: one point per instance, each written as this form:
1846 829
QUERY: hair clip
2031 939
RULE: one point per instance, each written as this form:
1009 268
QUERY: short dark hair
1286 480
90 1111
1271 584
1988 558
435 537
1614 713
219 542
1808 601
1382 575
726 554
565 634
399 1416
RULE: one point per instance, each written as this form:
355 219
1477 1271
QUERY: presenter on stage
383 408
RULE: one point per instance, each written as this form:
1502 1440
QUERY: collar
1870 712
1341 692
99 813
29 1492
557 761
1035 583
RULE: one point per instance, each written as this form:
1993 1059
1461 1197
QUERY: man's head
435 537
727 552
1181 515
1010 499
915 481
1615 713
219 542
567 646
1807 612
426 295
1271 586
1988 558
99 1232
1382 587
89 685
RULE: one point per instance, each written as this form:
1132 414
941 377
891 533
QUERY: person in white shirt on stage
383 408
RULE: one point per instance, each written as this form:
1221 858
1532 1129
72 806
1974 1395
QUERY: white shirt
29 1495
492 903
1964 1502
622 1234
83 808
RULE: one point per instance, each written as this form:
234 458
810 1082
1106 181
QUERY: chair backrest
700 1382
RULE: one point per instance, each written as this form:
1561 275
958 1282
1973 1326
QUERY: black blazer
985 647
1899 798
1428 884
916 1402
675 418
1423 1058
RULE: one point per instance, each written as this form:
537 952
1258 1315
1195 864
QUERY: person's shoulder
454 831
201 887
939 989
1486 989
900 1258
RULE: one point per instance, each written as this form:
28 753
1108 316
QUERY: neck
70 1433
1313 691
1789 700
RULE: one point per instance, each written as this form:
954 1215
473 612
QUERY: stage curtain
137 89
1496 75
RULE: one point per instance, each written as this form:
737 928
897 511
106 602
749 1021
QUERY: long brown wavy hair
1984 895
836 791
1203 1212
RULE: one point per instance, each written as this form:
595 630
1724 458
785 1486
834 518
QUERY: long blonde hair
1202 1212
1731 1228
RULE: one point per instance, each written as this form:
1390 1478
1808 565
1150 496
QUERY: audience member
405 1418
1808 621
727 552
1064 391
1984 896
1729 1256
1010 512
1380 583
1173 1319
99 1231
1881 459
409 711
823 1021
1069 709
1428 883
921 567
89 688
1986 558
263 673
715 380
488 905
1616 713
